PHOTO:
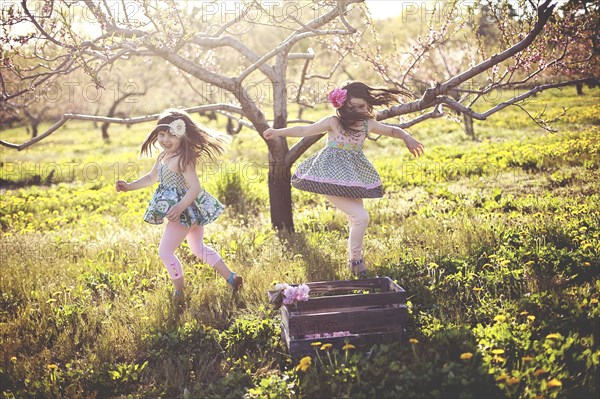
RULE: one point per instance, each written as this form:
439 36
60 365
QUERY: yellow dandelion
466 356
500 318
316 344
326 346
498 351
348 346
512 381
553 383
531 317
52 367
539 372
587 264
553 336
594 301
304 364
477 289
524 313
13 359
527 358
413 341
498 359
501 378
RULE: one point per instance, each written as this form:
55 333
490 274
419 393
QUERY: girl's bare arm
323 126
414 146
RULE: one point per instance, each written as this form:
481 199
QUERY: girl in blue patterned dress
179 197
340 170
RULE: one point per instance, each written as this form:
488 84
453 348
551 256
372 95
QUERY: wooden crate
361 312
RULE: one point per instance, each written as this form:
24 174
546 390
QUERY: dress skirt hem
336 189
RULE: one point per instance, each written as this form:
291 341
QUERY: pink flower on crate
288 295
302 293
295 294
337 97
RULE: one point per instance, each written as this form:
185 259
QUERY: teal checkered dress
341 169
171 189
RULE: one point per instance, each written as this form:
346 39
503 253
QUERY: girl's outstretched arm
415 147
147 180
323 126
194 188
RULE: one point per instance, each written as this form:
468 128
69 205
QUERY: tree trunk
468 122
104 128
280 195
579 89
34 128
280 190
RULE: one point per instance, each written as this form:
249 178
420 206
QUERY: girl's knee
360 218
166 254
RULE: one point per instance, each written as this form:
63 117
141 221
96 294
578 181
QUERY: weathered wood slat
390 319
329 303
302 347
345 285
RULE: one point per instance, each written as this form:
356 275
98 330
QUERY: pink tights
173 236
358 219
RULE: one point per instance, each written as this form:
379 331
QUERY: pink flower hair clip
337 97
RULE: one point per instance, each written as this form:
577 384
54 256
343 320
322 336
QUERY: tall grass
508 226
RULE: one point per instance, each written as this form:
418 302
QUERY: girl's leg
173 236
358 219
195 239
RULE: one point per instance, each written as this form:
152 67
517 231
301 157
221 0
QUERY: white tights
173 236
358 219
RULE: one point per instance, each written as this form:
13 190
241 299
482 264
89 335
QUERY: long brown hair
373 96
196 143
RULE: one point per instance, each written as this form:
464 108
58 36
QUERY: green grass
497 243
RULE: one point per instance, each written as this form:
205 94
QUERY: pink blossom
288 295
302 292
337 97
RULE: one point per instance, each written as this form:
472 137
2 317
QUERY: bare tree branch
429 98
457 106
544 12
123 121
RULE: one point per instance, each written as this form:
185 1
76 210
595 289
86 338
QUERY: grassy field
496 241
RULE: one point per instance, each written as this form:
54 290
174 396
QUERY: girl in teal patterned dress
340 170
179 197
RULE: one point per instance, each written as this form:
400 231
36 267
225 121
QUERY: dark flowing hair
196 143
373 96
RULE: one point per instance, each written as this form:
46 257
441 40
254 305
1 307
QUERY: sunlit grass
472 230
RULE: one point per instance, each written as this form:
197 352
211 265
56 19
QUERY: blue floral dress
340 168
171 189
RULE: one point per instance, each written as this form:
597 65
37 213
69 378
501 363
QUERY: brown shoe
235 281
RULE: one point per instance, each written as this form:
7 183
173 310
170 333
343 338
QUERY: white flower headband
177 127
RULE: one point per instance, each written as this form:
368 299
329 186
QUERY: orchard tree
214 44
471 53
